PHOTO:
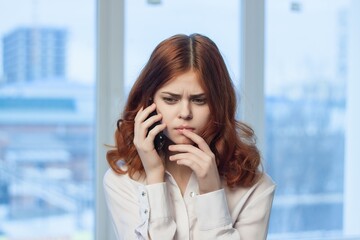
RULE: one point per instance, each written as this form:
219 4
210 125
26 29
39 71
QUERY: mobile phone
159 138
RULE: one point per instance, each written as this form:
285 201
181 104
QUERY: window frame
109 86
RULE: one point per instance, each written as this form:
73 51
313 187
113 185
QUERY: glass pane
149 22
47 78
306 78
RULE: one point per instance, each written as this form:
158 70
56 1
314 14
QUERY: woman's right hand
144 143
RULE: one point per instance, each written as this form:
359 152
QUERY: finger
205 162
142 126
140 110
180 156
151 120
193 165
187 148
198 140
156 130
142 114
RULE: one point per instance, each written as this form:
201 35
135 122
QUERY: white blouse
160 212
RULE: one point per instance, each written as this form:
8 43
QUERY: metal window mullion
252 103
109 100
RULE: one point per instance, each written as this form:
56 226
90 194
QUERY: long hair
232 141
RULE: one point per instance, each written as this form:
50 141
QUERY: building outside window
47 114
308 60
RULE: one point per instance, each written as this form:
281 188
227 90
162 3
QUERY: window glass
47 78
149 22
307 46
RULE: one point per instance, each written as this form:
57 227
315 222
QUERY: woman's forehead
188 80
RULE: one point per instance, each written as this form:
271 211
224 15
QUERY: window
284 20
47 119
149 23
306 79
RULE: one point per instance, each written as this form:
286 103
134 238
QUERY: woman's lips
185 128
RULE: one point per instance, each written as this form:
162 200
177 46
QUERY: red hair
232 142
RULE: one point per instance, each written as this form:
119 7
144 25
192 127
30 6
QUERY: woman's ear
150 101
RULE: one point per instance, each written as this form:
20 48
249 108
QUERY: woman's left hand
200 159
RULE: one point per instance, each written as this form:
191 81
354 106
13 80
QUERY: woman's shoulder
265 185
265 182
113 179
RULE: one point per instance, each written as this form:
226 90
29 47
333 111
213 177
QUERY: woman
183 167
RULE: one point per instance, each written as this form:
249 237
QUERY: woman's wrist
155 176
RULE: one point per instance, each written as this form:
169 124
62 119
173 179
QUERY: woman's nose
185 111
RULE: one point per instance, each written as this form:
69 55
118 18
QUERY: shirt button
143 194
146 211
192 194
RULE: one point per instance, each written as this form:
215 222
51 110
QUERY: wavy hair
232 142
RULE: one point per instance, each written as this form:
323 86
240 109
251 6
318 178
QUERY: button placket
193 194
144 203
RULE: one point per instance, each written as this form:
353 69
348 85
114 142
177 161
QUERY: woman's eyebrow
179 95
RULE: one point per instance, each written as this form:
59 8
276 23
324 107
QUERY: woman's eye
169 100
199 101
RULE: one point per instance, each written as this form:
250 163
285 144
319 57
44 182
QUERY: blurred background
66 68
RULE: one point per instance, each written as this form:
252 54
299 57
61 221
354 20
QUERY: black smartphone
159 138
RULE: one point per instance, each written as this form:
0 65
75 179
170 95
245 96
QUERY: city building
46 135
31 54
46 156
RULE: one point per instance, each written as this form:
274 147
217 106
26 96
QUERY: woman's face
183 105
